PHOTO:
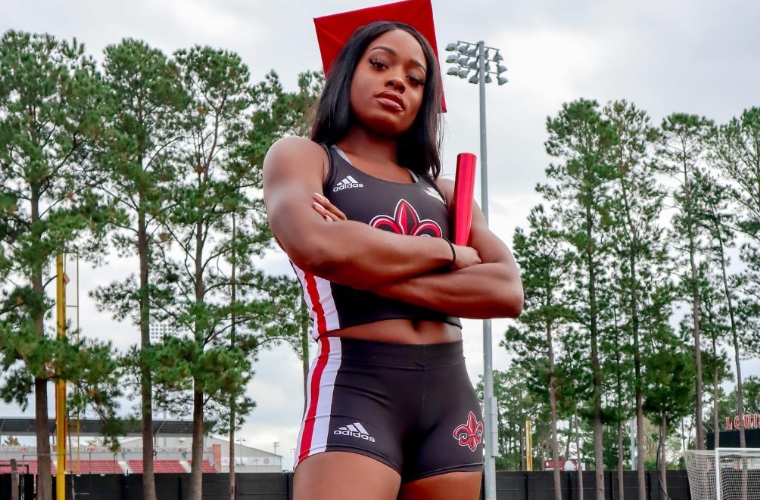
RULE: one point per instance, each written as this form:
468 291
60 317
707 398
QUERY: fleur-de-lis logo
471 433
405 220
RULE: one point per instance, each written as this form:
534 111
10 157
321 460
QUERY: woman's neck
363 143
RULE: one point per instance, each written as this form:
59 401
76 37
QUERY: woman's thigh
340 475
450 486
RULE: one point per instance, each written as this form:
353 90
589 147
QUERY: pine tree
51 100
544 265
583 140
145 102
683 144
636 206
715 215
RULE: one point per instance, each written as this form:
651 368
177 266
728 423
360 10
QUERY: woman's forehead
401 44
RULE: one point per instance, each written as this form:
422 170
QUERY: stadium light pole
477 58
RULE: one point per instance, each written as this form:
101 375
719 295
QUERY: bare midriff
402 331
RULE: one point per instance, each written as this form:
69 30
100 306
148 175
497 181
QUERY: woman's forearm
363 257
482 291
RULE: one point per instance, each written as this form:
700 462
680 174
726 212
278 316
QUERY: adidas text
355 430
348 182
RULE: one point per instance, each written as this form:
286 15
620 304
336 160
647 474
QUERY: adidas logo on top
355 430
348 182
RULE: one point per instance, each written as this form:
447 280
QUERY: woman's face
388 83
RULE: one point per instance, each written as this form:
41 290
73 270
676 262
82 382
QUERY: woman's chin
385 128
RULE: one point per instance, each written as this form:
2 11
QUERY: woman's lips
391 101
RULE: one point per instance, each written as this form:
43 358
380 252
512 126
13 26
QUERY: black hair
418 147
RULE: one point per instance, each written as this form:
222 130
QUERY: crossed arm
483 282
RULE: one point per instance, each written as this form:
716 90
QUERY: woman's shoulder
295 151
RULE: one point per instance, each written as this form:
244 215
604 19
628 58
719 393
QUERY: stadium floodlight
501 68
480 54
452 58
453 70
451 47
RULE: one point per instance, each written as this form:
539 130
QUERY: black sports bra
416 209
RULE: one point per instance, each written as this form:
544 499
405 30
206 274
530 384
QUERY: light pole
476 58
276 444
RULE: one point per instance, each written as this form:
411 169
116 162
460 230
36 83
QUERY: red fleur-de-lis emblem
471 433
405 220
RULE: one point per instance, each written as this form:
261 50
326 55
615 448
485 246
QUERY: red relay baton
462 204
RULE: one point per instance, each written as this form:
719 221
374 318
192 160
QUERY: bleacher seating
159 467
94 467
206 467
85 466
23 467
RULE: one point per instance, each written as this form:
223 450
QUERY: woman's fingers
325 208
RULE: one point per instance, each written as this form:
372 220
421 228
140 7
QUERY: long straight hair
419 146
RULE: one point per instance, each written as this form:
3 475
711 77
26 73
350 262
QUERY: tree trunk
737 352
196 476
695 305
196 468
716 395
146 380
233 300
663 455
232 451
14 480
621 460
578 457
553 403
596 367
638 383
44 477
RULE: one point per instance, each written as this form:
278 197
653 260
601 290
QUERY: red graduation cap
334 31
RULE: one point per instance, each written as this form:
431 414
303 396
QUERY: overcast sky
666 56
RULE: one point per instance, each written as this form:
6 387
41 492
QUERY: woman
391 412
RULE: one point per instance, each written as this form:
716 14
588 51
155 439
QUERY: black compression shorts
412 407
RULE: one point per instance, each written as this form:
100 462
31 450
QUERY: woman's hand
326 209
465 256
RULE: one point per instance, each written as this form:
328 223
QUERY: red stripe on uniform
316 379
316 302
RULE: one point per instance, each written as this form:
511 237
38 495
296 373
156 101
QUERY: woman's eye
377 63
416 80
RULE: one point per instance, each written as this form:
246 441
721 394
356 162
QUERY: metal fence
272 486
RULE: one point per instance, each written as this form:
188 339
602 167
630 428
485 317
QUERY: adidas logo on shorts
348 182
355 430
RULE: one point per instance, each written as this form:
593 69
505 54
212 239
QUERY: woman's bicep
489 246
292 173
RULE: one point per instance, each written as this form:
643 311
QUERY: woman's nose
396 83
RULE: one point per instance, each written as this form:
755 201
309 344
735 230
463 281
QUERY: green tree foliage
682 152
50 104
145 101
635 210
544 264
582 140
735 152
